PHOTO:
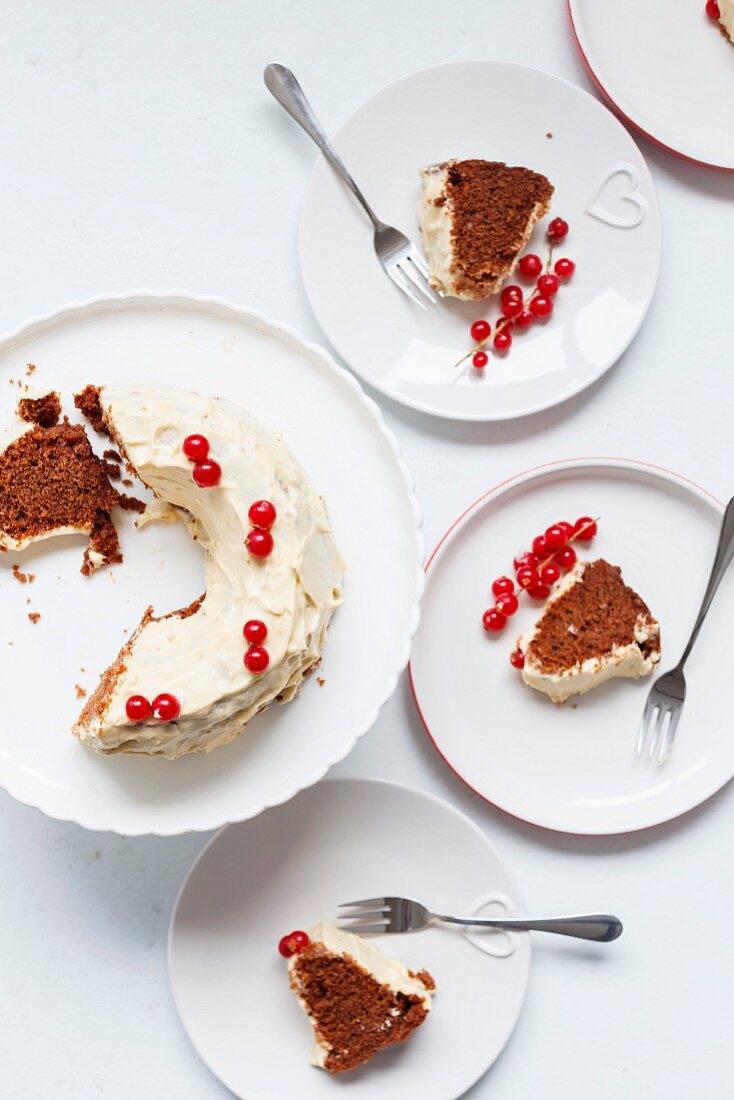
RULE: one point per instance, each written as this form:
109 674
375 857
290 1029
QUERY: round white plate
666 67
338 435
603 189
349 838
573 767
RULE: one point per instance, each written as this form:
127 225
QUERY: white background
138 148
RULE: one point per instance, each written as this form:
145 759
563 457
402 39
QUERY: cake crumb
80 692
21 577
30 369
549 134
44 411
34 616
113 456
320 681
127 482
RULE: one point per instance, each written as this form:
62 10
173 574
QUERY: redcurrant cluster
164 708
293 943
712 10
535 571
517 310
256 656
206 472
259 540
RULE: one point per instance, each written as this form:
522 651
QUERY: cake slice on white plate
594 627
359 1000
726 18
476 217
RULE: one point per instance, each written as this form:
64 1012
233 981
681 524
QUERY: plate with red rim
289 870
603 189
573 768
665 66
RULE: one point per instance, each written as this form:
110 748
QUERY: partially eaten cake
594 627
476 217
189 681
358 999
726 18
52 484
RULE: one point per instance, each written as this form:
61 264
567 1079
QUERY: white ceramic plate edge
516 480
77 310
375 781
587 382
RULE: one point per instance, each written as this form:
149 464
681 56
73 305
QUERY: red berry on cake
517 658
207 473
165 707
541 306
259 543
548 284
480 330
550 572
564 268
503 586
555 537
480 360
557 230
503 340
585 529
531 266
524 319
293 943
507 604
255 631
262 514
256 659
566 557
712 10
196 447
137 708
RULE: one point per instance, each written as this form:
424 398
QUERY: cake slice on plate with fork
476 217
594 627
358 999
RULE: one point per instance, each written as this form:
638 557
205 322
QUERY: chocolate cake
594 627
51 482
476 217
358 999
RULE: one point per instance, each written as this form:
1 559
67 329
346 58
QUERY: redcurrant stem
571 538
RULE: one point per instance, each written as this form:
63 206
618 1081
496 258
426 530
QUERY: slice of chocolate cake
594 627
476 217
358 999
52 483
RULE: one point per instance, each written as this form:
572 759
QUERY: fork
398 255
668 694
378 916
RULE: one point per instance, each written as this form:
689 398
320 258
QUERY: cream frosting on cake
726 17
352 1016
588 636
196 654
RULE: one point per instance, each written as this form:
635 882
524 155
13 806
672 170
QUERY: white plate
664 66
496 111
573 767
346 839
338 435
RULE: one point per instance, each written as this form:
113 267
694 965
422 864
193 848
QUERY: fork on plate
400 258
381 916
667 695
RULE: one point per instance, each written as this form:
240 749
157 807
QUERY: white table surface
140 149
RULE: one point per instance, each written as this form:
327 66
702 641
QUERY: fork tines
368 916
411 271
659 723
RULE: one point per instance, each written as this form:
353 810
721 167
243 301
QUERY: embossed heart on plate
616 200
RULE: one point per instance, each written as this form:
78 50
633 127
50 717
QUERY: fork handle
282 84
724 554
587 926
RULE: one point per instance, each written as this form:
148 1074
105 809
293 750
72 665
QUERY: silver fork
399 257
668 694
380 916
